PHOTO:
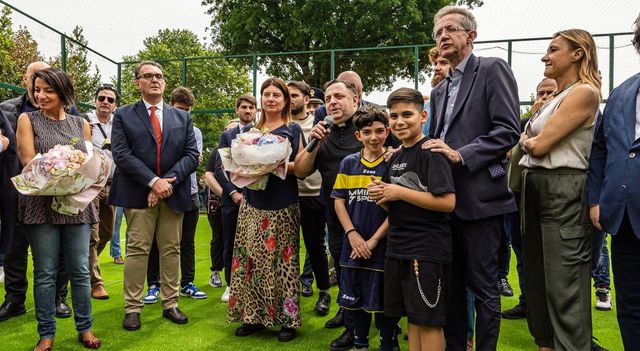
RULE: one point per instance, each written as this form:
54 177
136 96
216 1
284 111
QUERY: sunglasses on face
108 98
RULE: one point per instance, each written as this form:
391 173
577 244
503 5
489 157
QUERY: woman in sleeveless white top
555 221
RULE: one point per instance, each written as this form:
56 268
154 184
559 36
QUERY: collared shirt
159 105
638 115
97 138
194 181
454 78
27 106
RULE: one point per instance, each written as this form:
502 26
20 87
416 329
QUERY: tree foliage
79 67
242 27
9 72
215 83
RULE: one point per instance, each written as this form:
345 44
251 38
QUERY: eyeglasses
150 76
111 100
447 29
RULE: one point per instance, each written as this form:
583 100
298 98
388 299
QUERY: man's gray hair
467 20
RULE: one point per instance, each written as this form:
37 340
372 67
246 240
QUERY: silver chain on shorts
424 298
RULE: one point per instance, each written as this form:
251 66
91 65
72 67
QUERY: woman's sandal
48 348
90 344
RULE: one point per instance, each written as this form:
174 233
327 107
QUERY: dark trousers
229 223
512 226
600 260
504 253
474 266
306 278
15 270
215 246
625 259
336 239
312 222
187 250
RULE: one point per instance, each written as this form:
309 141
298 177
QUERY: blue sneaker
192 291
152 295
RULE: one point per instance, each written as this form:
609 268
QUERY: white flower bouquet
253 155
73 177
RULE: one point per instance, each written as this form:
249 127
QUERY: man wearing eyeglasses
101 120
475 123
154 148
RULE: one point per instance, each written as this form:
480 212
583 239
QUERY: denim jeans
600 263
504 253
114 246
46 241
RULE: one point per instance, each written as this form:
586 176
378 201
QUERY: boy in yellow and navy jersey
365 225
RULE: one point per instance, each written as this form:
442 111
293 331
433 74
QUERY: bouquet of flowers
253 155
71 176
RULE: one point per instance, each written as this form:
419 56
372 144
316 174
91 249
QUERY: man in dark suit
614 196
475 124
155 152
232 195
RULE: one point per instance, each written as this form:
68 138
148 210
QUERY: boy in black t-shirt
418 193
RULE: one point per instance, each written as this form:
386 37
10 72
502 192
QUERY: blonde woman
556 228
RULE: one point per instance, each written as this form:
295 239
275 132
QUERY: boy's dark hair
407 95
246 98
59 81
107 86
367 114
304 88
182 95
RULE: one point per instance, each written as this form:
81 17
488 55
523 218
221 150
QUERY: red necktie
158 132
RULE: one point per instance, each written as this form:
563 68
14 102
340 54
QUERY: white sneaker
225 295
1 274
603 299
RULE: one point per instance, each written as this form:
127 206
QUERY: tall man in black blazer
475 123
155 152
246 107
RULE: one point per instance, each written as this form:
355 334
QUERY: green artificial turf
208 330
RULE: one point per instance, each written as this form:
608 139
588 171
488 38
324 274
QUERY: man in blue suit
155 152
614 195
474 124
246 107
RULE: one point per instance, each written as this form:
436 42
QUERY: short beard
295 110
436 79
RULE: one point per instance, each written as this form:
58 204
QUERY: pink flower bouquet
253 156
71 176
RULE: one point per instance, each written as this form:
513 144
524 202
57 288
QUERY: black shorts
402 295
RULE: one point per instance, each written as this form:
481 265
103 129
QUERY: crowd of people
419 202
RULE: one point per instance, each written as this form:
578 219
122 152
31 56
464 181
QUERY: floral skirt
265 269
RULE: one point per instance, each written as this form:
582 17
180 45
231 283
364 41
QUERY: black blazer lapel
143 115
469 76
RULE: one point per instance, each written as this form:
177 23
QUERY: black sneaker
517 312
504 287
307 290
286 334
337 321
323 304
343 342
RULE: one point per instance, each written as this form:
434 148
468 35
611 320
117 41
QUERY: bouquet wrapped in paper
73 177
253 155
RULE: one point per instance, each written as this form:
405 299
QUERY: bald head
353 77
26 79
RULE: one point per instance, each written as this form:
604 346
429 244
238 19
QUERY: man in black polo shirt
341 103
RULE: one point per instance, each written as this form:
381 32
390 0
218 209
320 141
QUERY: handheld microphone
314 142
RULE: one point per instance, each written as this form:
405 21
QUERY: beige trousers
101 233
143 225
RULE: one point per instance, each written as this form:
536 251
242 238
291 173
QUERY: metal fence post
416 66
509 51
63 52
119 79
611 59
333 64
255 73
183 78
